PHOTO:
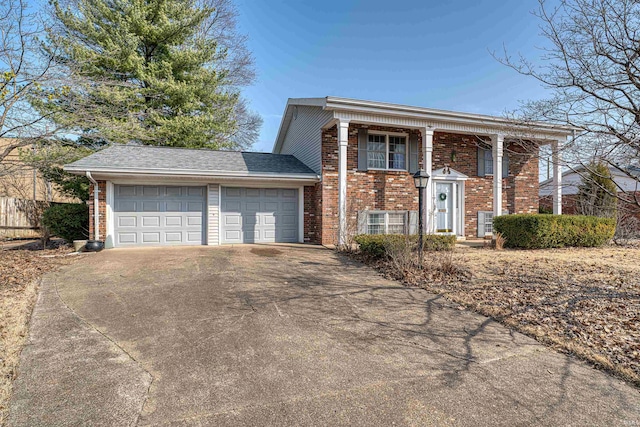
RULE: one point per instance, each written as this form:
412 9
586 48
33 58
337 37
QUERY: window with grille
386 152
386 222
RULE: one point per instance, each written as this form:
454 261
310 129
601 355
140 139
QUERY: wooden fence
17 218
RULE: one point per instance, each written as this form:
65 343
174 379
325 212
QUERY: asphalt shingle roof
158 158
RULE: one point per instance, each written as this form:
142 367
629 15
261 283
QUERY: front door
445 207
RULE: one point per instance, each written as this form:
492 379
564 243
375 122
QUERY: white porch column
429 206
497 142
556 146
343 140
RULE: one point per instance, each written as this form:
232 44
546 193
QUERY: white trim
557 177
190 173
301 215
220 188
343 141
497 148
109 198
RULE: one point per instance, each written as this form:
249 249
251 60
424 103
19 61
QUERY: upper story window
386 151
488 162
485 162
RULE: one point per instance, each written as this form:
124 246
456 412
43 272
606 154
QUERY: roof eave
347 104
79 170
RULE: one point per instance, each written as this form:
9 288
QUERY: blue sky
425 53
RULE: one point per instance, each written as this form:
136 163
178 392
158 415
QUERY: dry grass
581 301
20 271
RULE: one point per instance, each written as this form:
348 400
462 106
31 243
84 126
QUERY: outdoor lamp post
421 180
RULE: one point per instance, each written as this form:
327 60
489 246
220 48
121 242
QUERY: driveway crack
114 342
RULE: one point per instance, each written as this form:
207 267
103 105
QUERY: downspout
96 212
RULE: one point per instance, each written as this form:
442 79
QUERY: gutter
96 211
312 177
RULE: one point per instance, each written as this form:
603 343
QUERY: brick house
338 167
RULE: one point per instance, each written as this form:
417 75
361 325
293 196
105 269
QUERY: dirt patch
266 252
20 271
581 301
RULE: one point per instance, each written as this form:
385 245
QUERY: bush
528 231
378 245
69 221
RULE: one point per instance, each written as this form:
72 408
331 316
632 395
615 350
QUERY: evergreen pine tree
172 82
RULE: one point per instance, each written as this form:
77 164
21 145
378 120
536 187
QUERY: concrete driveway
284 335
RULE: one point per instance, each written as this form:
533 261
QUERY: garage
159 215
259 215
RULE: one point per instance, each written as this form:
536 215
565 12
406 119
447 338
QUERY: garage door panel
259 215
173 221
159 215
127 221
252 206
151 206
195 207
194 221
151 221
289 220
173 207
126 190
150 191
232 192
125 206
148 237
127 238
289 234
230 206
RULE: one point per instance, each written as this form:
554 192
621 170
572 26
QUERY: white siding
213 214
571 182
304 136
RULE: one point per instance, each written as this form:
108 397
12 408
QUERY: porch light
421 179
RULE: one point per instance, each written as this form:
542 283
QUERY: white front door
445 217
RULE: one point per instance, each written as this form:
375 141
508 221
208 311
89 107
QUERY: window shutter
505 165
413 222
362 149
481 220
413 153
481 162
362 222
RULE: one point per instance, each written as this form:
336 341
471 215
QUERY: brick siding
395 190
102 210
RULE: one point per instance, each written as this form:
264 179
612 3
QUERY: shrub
528 231
69 221
378 245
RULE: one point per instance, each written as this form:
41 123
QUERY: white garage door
259 215
155 215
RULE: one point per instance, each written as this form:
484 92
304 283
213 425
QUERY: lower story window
386 222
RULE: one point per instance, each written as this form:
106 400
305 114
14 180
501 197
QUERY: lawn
580 301
20 272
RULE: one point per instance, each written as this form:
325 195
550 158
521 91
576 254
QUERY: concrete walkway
284 335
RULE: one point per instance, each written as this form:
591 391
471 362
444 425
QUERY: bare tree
591 65
23 75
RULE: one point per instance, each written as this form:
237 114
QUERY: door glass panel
444 207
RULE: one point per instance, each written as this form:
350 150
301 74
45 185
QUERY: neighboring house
338 167
628 194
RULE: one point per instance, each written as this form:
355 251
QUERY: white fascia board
428 114
192 174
